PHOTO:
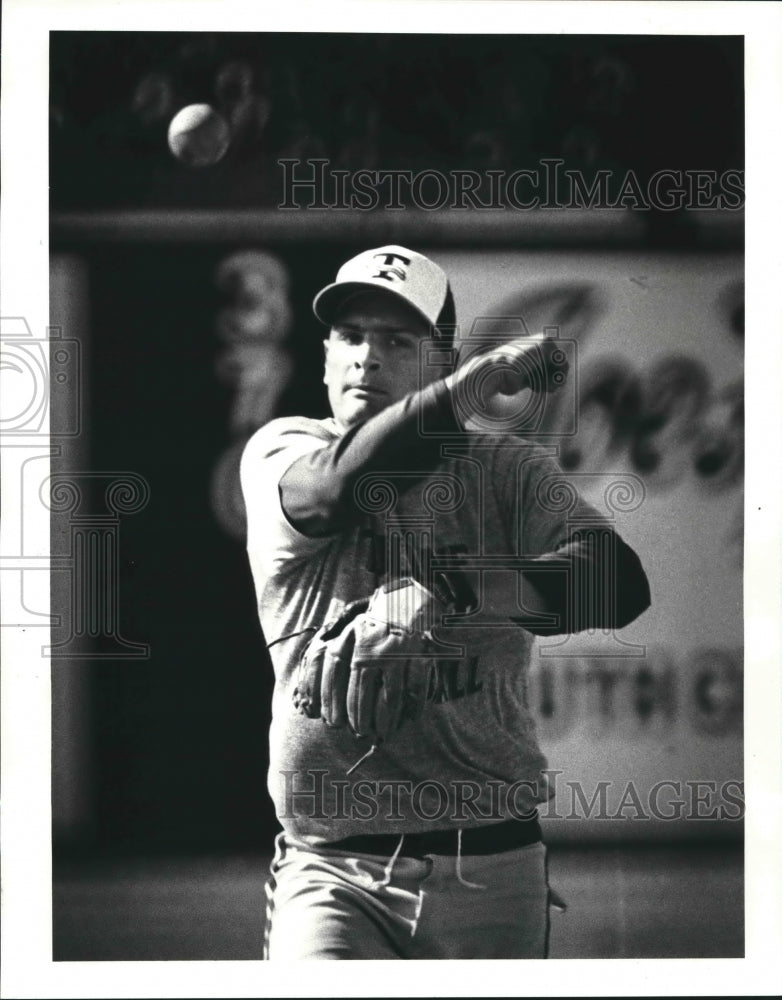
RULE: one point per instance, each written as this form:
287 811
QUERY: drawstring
386 880
361 760
389 869
459 876
291 635
391 862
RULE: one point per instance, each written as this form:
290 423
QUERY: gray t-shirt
473 756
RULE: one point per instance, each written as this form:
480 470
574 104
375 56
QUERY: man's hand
370 669
537 363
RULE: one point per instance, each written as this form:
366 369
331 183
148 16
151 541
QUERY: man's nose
367 356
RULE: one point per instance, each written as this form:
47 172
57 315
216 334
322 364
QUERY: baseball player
403 566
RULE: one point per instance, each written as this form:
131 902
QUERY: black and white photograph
390 567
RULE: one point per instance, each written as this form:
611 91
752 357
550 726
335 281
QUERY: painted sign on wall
643 729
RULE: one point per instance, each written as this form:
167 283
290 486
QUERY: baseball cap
412 277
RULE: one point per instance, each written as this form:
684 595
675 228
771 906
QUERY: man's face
372 356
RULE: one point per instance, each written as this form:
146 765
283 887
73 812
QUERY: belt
492 839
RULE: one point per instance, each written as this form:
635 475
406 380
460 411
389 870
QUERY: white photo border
27 968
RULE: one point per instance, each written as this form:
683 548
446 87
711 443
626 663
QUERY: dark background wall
180 738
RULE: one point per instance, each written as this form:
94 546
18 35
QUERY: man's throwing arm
317 492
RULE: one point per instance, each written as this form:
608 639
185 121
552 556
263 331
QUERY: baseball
198 135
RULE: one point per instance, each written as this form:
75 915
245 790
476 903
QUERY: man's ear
325 358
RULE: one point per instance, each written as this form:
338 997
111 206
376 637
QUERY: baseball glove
370 668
